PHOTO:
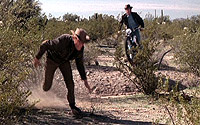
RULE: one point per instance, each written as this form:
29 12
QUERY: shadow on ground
103 68
165 67
173 84
64 117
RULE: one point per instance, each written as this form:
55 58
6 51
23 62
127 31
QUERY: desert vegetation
23 28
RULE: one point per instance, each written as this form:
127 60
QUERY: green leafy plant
18 33
142 72
187 52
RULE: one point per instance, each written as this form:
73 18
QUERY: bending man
59 53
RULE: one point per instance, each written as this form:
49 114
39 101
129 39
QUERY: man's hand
87 86
141 29
36 62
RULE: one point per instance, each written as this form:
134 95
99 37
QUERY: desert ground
114 100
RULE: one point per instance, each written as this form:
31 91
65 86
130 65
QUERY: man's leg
138 36
50 69
65 69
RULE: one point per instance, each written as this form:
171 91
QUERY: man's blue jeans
137 34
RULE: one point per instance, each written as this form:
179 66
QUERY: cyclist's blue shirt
131 22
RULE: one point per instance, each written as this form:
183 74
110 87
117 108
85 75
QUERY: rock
96 63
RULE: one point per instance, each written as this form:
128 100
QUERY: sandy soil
115 100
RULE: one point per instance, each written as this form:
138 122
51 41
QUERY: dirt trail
115 100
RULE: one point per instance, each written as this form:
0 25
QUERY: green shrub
91 53
187 51
13 69
183 106
19 32
142 72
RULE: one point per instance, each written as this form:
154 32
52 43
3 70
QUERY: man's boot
75 110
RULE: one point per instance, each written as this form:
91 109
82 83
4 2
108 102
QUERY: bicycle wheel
129 50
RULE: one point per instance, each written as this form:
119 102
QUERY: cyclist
132 20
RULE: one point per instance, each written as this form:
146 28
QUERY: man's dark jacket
135 16
62 49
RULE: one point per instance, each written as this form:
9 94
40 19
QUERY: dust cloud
46 99
54 98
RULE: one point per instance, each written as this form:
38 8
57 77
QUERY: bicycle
131 43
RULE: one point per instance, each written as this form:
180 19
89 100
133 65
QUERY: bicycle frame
131 41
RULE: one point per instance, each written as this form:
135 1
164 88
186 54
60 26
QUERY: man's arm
81 70
140 20
42 50
80 67
121 23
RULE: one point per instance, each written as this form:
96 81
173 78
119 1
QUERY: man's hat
128 6
81 34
